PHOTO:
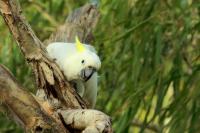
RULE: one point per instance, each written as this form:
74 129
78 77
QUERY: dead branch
41 113
81 22
90 121
24 108
48 75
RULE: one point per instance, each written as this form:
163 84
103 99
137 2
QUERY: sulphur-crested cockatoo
80 63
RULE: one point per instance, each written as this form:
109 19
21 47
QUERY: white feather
69 60
90 93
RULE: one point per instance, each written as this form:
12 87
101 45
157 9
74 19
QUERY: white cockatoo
80 63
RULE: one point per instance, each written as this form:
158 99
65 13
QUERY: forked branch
38 114
48 75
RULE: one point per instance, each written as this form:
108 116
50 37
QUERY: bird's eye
83 61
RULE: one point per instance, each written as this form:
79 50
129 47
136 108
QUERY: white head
82 64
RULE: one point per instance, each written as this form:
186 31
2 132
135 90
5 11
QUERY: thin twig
151 126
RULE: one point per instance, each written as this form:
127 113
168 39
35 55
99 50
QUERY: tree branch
81 22
57 107
24 108
48 75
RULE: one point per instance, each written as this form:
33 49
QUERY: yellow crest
79 45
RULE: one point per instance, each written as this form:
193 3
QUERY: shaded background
150 52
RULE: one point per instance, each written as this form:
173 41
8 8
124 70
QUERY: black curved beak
87 73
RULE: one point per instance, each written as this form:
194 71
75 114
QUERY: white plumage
80 63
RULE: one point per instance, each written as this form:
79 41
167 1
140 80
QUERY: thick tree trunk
57 107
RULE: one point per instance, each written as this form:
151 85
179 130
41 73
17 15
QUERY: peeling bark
56 107
81 22
90 121
24 108
48 75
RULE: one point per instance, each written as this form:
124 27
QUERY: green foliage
150 55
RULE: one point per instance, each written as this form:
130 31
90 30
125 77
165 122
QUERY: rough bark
81 22
47 74
24 108
57 107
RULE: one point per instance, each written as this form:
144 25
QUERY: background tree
149 80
